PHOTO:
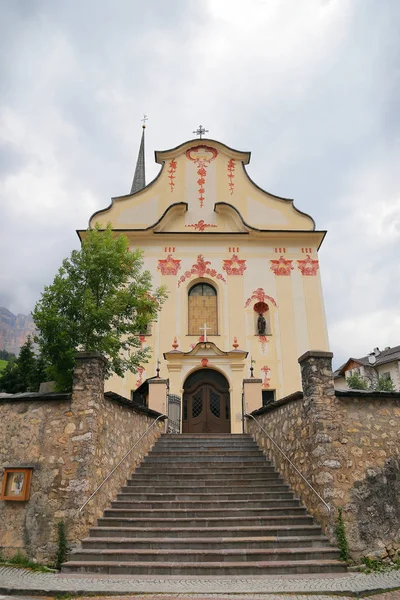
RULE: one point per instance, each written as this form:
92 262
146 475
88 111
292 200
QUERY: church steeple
139 179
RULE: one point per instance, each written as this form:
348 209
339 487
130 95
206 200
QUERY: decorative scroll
200 268
171 174
260 296
266 378
263 343
169 265
308 266
231 174
139 380
201 156
201 339
283 266
234 266
200 225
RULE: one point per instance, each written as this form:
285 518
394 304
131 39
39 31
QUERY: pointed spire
139 179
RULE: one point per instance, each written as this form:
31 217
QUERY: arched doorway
206 403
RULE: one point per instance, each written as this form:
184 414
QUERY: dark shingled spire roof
139 179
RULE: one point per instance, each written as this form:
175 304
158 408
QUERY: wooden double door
206 404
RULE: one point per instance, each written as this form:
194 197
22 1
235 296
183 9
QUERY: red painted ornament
169 265
201 225
261 296
201 156
234 266
204 362
231 174
282 266
308 266
171 174
201 268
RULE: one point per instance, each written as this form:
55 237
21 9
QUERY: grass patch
3 364
20 560
374 565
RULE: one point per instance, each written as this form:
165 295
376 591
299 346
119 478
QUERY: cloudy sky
311 87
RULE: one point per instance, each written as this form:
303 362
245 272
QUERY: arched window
203 309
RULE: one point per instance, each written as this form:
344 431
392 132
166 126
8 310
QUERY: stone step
214 446
227 531
204 468
247 458
207 452
207 569
205 505
217 506
208 555
202 487
132 495
228 477
205 436
209 521
194 513
204 543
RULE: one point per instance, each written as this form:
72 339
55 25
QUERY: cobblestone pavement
21 581
385 596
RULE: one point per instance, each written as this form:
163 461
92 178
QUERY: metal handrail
294 466
121 461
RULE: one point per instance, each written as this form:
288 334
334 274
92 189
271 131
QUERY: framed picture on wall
16 484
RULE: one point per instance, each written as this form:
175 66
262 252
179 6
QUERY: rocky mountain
14 330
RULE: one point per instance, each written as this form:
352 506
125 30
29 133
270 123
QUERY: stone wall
72 441
347 446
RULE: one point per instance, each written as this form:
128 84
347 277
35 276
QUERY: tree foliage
356 382
379 383
384 384
25 373
100 300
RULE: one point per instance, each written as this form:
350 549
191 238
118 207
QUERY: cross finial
200 131
145 118
204 329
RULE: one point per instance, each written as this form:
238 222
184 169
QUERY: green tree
9 378
356 382
25 373
99 300
384 384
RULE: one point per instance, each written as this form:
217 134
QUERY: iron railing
120 462
293 465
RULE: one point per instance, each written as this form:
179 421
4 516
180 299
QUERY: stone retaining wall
347 445
72 441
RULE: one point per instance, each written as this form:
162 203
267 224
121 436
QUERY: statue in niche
261 325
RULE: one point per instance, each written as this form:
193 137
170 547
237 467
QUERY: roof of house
384 357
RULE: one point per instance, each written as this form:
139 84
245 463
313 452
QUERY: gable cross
200 131
204 329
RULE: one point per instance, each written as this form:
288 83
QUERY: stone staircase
205 505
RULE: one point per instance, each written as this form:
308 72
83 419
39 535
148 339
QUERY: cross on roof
200 131
145 118
204 329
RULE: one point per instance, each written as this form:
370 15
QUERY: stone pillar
323 429
317 382
88 383
158 395
85 424
252 394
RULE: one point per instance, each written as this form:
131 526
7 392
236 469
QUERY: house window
202 309
386 376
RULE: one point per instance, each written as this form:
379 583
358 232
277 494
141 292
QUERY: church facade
242 273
